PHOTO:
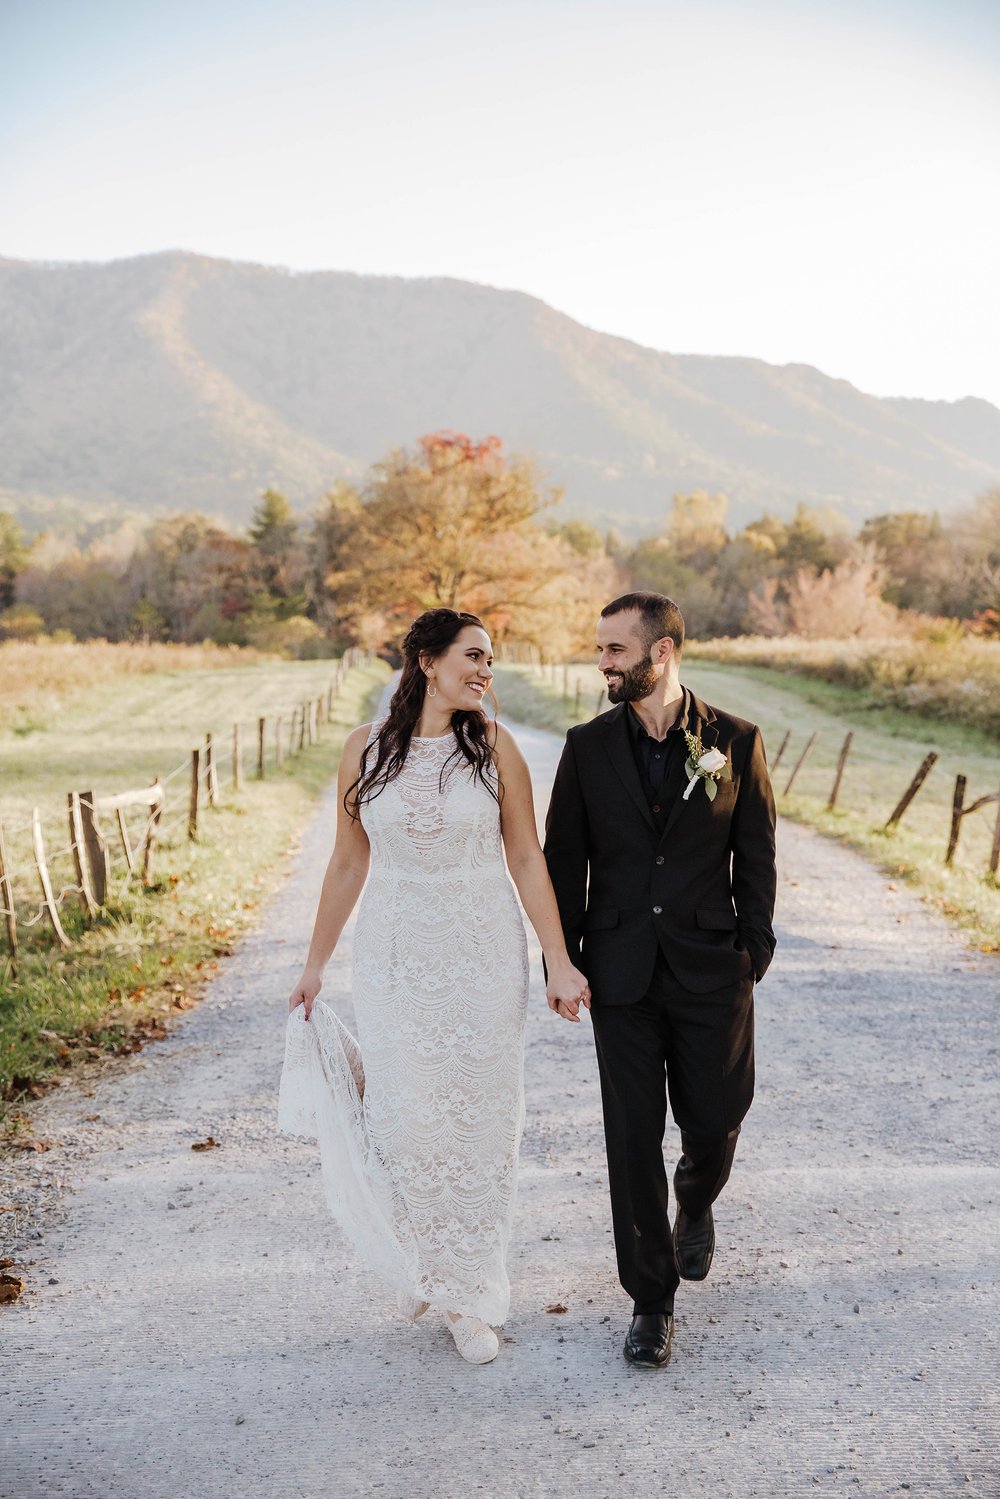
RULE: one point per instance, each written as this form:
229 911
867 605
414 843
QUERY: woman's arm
567 986
342 883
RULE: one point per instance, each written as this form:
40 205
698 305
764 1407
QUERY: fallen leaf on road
557 1306
11 1287
210 1143
32 1144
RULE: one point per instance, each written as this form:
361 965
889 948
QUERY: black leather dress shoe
647 1341
694 1245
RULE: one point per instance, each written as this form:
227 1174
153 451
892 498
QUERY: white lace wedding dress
420 1118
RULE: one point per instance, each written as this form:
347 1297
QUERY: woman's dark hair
430 635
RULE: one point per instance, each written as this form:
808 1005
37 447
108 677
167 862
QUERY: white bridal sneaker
410 1308
476 1341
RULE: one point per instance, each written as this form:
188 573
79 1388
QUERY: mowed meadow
888 746
113 718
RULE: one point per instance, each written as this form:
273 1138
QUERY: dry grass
36 677
950 677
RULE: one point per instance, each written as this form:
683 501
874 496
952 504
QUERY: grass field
143 959
888 746
941 675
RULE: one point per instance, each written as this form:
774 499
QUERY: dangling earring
431 689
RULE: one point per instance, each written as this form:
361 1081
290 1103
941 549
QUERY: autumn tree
838 603
13 556
457 523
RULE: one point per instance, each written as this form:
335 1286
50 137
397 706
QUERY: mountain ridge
174 380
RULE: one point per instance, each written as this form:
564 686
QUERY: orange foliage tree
456 523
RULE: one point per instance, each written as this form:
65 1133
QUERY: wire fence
105 858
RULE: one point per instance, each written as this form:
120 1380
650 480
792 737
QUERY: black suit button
659 858
656 809
657 910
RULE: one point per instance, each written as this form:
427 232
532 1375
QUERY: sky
811 181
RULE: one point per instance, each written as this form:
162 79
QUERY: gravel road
196 1328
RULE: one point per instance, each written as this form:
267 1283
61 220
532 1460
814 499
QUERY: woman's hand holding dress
305 991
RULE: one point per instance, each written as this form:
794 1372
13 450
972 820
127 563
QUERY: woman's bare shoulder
356 741
504 744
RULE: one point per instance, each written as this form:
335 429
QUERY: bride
419 1119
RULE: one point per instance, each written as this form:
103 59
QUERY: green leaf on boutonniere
690 769
711 789
725 774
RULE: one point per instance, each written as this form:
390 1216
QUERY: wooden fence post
329 702
261 731
302 727
781 750
96 849
918 780
576 698
959 810
800 762
211 778
279 747
956 818
845 750
194 795
48 898
123 835
237 759
7 902
152 833
81 864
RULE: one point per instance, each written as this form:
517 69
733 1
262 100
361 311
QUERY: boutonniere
710 766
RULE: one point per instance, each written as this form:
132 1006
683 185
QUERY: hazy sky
814 180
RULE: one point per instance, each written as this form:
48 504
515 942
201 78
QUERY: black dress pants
698 1050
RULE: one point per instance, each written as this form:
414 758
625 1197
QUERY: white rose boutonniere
710 766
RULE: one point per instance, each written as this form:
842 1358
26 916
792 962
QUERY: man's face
624 658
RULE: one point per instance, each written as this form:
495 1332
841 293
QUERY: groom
660 846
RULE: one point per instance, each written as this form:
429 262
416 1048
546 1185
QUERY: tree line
458 522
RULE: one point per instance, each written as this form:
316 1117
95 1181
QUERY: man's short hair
658 615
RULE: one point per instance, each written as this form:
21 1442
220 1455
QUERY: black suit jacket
703 891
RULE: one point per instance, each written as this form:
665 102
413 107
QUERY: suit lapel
619 749
701 723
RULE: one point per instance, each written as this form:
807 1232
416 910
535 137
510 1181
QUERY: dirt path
197 1328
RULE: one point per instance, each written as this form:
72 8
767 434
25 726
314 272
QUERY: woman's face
464 672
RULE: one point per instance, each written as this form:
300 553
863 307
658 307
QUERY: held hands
305 991
567 988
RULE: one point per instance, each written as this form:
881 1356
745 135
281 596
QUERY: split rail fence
105 854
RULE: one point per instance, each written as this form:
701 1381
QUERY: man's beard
636 682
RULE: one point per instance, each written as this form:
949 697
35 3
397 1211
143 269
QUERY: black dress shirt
659 761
